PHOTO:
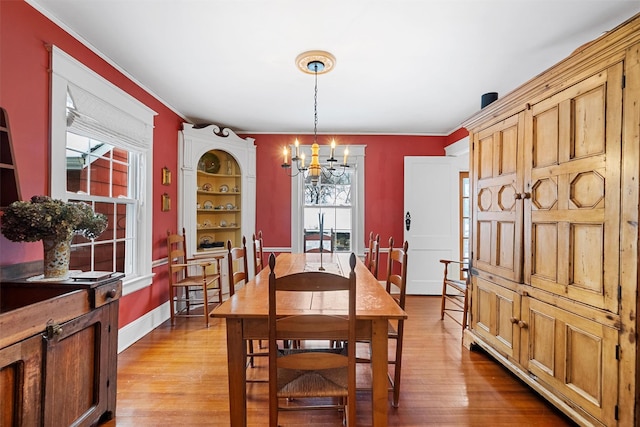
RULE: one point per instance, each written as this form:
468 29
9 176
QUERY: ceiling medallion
308 61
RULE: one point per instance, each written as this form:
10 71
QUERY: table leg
379 367
236 356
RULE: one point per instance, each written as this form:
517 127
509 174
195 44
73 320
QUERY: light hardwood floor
177 376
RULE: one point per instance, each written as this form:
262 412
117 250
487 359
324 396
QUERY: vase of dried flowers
55 222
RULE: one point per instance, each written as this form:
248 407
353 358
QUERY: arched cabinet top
198 139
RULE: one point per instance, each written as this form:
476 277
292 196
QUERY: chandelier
314 62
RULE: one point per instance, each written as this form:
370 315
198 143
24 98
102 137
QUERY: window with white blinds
102 145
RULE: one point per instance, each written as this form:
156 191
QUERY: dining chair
312 373
258 255
373 254
191 290
396 286
258 260
455 291
239 274
237 256
313 240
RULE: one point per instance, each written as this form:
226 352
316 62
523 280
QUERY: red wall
24 93
384 171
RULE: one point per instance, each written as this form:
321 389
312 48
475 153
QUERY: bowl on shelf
207 242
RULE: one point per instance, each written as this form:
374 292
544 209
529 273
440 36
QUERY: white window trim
64 70
356 158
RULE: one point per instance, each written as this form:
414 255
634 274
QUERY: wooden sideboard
555 172
58 352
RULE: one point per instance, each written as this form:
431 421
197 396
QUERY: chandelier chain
315 105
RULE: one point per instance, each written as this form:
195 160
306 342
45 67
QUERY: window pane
329 191
106 209
104 257
80 258
120 182
465 249
121 222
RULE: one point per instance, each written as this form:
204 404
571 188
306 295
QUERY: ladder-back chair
258 255
191 290
314 240
297 374
455 290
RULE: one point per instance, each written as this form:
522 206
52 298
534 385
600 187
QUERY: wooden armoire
555 172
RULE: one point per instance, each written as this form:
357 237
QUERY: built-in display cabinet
554 173
217 195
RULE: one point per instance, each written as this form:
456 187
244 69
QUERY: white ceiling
402 66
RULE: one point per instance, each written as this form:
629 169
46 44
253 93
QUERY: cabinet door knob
518 196
513 320
526 195
112 293
522 324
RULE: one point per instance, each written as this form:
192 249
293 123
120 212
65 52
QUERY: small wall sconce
166 203
166 176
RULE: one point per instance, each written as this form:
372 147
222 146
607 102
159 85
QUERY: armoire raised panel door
572 355
495 314
572 161
497 165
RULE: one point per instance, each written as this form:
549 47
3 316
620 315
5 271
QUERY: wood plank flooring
177 376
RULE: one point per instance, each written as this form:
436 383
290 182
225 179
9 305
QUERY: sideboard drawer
104 294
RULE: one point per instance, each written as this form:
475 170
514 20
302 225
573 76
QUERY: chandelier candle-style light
315 62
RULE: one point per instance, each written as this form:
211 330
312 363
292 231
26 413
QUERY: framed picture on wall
166 203
166 176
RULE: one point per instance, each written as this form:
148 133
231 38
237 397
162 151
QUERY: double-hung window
101 153
337 200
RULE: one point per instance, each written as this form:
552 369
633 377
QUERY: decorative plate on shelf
208 204
223 223
209 163
206 224
224 188
207 186
230 206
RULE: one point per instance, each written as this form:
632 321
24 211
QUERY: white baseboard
129 334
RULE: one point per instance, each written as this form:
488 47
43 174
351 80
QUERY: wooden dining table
246 314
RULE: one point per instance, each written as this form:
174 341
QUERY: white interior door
431 197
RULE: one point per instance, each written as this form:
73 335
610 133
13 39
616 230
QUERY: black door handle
407 220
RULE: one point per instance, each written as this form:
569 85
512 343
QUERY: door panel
21 383
573 355
497 225
573 176
494 316
75 371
